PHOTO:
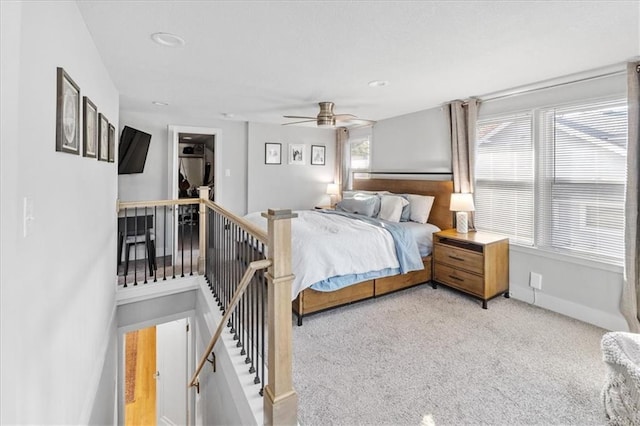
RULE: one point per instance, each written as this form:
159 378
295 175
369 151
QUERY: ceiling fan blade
344 117
298 122
298 116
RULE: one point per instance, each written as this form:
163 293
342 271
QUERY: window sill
591 263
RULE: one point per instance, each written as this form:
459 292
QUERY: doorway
193 162
155 374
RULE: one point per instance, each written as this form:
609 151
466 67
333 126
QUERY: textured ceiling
261 60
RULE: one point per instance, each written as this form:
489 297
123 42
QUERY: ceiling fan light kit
327 119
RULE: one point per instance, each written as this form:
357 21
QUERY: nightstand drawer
460 279
460 259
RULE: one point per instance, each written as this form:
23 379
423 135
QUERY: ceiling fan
326 117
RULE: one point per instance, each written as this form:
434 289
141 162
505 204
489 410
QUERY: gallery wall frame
296 154
318 153
67 113
272 153
90 128
103 138
112 143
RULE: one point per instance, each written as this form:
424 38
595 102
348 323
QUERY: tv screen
132 151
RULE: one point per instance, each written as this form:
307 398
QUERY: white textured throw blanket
621 393
326 246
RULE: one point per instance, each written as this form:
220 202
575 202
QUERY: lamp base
462 222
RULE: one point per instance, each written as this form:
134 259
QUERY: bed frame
311 301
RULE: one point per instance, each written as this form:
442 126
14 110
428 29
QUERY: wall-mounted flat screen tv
132 151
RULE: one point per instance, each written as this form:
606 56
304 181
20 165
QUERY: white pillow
391 207
420 207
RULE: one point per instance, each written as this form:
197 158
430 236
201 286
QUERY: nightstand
476 263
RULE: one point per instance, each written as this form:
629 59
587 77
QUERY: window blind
582 180
504 177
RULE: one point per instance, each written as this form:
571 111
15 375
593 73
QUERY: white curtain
631 290
462 122
341 174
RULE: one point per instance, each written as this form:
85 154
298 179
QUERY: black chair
139 230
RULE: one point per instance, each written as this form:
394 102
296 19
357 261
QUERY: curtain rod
522 90
403 173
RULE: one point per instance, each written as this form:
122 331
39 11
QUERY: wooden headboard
440 214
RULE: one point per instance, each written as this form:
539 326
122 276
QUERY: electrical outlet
535 281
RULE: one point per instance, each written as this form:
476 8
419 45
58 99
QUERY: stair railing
255 301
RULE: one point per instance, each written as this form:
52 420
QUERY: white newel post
280 399
202 249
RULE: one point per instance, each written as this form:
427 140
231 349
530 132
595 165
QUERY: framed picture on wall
67 114
272 153
317 155
90 126
296 154
103 138
112 143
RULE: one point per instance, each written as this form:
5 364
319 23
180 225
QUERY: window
583 170
360 154
572 201
504 176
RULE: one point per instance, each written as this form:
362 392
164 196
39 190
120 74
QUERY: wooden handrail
258 233
156 203
244 283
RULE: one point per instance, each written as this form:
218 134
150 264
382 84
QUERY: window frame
541 233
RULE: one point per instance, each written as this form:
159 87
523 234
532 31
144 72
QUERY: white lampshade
461 203
332 189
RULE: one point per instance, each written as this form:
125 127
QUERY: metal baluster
155 245
164 244
145 244
250 331
182 242
135 252
262 312
173 237
126 252
191 231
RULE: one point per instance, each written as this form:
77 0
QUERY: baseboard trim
606 320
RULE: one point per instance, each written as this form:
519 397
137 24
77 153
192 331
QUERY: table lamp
461 204
333 191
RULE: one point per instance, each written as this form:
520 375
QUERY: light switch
227 172
27 216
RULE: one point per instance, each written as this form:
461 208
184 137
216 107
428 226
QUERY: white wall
580 289
152 184
413 142
58 291
585 290
287 185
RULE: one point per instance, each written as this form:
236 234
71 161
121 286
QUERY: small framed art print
296 154
67 114
317 155
272 153
103 138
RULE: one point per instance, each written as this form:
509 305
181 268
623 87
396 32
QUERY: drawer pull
456 278
456 258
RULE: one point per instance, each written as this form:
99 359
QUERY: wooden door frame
173 165
191 362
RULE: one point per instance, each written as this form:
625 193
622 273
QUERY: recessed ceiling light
187 138
378 83
159 103
167 39
228 114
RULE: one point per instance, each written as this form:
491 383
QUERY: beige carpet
434 357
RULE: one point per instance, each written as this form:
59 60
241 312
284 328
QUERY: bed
340 258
